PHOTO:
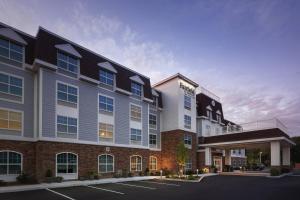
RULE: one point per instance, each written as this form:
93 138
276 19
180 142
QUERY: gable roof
68 49
107 66
204 102
178 75
12 35
137 79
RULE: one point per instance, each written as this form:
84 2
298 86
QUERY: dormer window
154 101
209 114
67 62
106 77
219 118
11 50
136 89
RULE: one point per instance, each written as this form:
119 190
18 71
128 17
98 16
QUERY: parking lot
215 187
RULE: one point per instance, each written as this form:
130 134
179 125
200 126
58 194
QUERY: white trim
154 93
44 63
88 79
155 120
41 103
69 49
10 34
67 70
106 65
106 154
155 163
123 91
77 166
246 141
35 100
141 163
7 150
22 121
23 88
137 79
148 100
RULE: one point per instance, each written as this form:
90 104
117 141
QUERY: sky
246 52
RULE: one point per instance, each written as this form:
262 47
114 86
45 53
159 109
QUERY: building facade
69 110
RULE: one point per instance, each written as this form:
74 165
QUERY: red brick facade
169 143
40 156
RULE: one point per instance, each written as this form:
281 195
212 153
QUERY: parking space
215 187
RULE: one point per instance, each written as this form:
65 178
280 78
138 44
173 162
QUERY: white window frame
152 145
23 88
188 139
187 102
187 121
68 63
67 163
9 51
106 78
68 85
135 118
188 165
68 133
134 90
136 142
151 126
106 104
209 114
136 163
22 120
151 164
113 163
8 164
106 124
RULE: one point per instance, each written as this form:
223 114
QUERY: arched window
106 163
66 163
135 163
10 163
153 163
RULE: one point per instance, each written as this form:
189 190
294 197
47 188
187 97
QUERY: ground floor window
188 164
153 163
106 163
66 163
135 163
10 163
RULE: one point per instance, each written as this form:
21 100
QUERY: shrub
191 177
147 172
166 172
275 172
130 174
141 174
49 173
25 178
189 172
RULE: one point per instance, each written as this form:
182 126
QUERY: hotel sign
187 89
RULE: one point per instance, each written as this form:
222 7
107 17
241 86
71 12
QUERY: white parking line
169 184
107 190
60 194
139 186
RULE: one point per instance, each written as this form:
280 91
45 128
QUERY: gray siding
27 107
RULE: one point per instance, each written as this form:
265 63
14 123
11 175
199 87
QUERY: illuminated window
153 163
106 131
10 120
135 113
135 163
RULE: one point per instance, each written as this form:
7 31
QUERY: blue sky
247 52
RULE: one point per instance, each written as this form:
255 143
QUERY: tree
295 151
181 157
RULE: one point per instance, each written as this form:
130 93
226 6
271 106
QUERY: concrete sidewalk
20 188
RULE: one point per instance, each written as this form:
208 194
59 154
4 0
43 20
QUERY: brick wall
169 143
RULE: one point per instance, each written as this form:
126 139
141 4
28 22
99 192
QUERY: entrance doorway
218 163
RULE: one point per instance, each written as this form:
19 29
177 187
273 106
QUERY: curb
41 186
280 176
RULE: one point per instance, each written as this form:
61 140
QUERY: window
187 102
209 114
106 104
188 140
152 121
135 113
136 89
10 163
207 130
188 164
187 121
67 93
10 120
66 163
135 163
106 131
219 118
154 101
153 163
67 63
233 151
11 85
66 125
106 77
152 140
106 163
136 136
11 50
240 152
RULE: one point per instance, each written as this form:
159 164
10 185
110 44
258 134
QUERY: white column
286 156
275 153
227 157
207 156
